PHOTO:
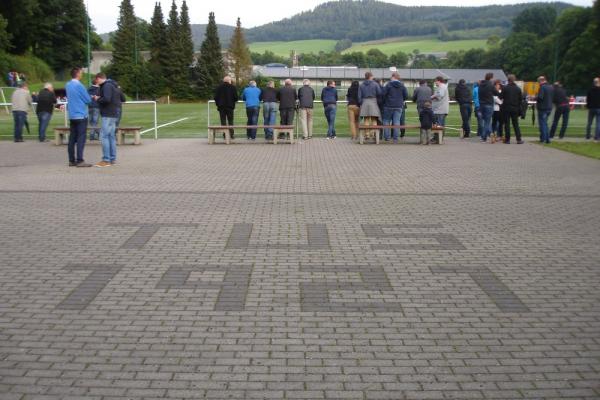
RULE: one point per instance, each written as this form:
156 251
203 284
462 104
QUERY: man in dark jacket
306 98
512 97
287 97
109 99
226 96
268 96
487 91
422 94
544 101
561 103
394 95
46 100
329 97
593 106
463 97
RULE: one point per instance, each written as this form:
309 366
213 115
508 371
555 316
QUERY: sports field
301 46
193 120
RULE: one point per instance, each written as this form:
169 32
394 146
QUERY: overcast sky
104 13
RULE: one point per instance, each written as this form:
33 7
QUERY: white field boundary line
163 125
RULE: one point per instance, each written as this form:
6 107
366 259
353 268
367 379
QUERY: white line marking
163 125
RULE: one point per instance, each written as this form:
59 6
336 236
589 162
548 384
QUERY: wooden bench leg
57 138
275 136
292 137
137 138
211 136
120 138
227 137
361 137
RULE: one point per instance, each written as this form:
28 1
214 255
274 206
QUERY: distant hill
366 20
198 31
225 34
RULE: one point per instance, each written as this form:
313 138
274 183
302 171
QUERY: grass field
588 149
301 46
388 46
196 121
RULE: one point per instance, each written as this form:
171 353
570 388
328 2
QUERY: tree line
173 69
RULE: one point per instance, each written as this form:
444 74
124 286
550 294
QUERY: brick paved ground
320 270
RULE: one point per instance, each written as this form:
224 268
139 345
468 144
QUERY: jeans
498 123
512 116
252 114
465 113
558 112
269 118
440 119
43 119
391 116
487 110
226 115
19 118
543 123
479 121
354 120
330 111
77 134
94 119
108 139
306 120
593 113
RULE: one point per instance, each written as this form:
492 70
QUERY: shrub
35 69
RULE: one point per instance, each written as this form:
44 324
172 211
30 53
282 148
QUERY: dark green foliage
158 51
126 59
342 45
209 70
19 15
371 20
538 20
399 59
61 33
4 35
268 57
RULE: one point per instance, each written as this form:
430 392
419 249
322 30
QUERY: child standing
426 118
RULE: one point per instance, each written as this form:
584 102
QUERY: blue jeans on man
108 139
94 116
479 121
269 117
252 114
77 136
44 118
543 124
19 117
487 111
593 113
391 116
330 111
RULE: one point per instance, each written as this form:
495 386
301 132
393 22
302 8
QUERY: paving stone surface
322 270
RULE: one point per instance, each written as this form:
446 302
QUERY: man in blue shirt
251 95
78 101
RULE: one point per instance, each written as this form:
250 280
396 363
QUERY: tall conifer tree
125 62
158 50
240 55
209 71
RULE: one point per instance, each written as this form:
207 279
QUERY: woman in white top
497 120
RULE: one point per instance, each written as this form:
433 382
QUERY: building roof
452 75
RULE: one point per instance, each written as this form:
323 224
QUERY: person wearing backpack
512 96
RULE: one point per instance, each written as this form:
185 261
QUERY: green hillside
301 46
388 46
424 46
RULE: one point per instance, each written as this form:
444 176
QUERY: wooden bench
362 128
129 130
214 131
61 134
